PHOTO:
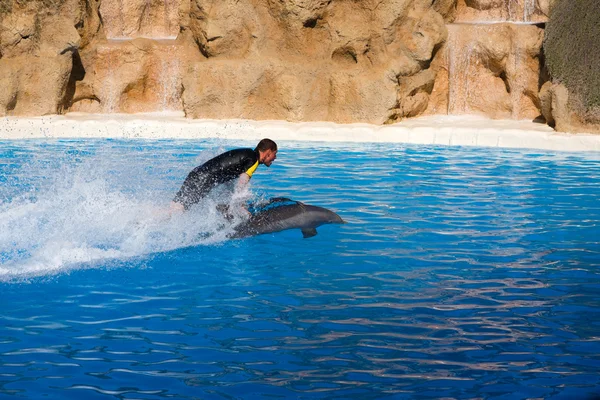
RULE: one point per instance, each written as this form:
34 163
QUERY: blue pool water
462 273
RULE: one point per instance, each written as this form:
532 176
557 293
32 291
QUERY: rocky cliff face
37 45
375 61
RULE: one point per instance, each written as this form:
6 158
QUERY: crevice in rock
100 18
533 96
424 64
481 5
392 119
544 75
12 104
77 74
435 50
345 55
311 23
145 15
505 81
203 48
69 49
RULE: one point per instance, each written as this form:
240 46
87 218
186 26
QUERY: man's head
267 150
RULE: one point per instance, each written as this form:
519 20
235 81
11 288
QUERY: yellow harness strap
252 169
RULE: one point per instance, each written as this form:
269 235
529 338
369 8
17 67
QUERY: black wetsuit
221 169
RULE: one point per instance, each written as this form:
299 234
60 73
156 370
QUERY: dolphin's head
310 217
322 215
336 219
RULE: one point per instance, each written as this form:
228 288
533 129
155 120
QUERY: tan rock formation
494 70
289 92
276 90
375 61
308 59
39 41
224 28
422 37
36 64
140 18
446 8
131 76
502 10
556 106
87 21
19 31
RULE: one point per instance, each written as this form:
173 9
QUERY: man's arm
242 182
240 187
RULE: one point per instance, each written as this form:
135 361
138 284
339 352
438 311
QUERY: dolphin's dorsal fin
309 232
281 200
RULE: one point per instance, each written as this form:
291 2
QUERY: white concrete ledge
440 130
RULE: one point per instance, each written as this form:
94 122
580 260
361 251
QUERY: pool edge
438 130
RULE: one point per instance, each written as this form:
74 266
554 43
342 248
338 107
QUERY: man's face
268 157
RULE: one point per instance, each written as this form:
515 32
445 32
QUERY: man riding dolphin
277 215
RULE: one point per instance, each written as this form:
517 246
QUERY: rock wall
494 70
503 10
37 45
374 61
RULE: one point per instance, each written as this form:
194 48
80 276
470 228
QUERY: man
238 163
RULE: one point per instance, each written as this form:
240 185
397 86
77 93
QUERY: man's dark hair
266 144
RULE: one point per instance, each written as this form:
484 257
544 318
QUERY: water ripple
462 273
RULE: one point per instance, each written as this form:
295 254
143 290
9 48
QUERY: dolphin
281 214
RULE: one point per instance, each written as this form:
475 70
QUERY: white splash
81 215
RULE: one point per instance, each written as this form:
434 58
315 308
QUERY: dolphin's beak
340 220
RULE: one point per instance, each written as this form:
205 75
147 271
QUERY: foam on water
57 214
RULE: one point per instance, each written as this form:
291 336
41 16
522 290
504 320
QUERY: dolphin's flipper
309 232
